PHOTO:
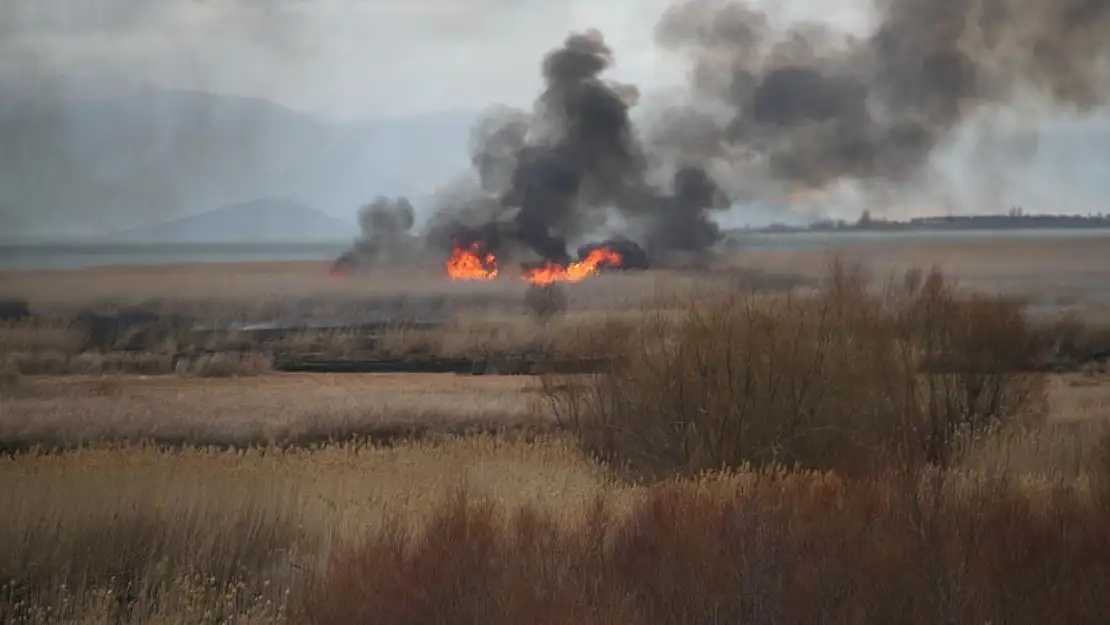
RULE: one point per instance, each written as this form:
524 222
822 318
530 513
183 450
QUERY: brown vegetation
132 534
276 410
794 548
487 320
853 455
838 380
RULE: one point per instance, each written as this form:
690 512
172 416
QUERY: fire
576 271
471 264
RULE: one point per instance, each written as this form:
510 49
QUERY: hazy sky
365 59
341 58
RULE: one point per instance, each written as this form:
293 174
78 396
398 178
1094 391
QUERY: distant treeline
1014 220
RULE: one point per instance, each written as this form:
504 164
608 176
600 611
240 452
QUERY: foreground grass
798 548
918 495
280 410
206 536
482 531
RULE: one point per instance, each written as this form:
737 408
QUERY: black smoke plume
632 255
773 110
559 174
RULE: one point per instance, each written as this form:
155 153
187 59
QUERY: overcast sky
366 59
341 58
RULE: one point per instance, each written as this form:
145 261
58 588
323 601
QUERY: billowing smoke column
563 171
772 111
385 236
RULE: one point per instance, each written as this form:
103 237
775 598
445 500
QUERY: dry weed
793 548
39 335
842 379
135 535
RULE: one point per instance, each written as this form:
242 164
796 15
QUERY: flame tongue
576 271
470 263
474 263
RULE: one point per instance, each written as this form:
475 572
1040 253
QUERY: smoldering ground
772 110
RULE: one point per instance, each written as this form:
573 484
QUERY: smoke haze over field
669 117
124 113
807 107
773 111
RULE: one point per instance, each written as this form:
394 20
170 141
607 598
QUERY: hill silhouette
265 220
89 163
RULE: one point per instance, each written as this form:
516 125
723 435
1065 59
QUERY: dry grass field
750 458
268 290
1078 266
279 409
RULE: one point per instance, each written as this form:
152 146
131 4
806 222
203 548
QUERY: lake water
82 255
818 240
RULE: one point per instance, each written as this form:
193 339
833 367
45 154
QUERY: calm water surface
81 255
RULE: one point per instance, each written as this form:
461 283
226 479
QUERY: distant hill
266 220
97 158
87 162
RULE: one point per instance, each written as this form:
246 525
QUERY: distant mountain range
96 159
267 220
83 165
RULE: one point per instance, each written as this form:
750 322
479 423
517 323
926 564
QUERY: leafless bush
798 548
224 365
976 355
9 376
39 335
545 301
836 380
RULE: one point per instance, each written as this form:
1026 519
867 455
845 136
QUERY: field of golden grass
276 409
140 535
351 499
302 409
344 534
267 290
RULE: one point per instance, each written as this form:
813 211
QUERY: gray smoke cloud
385 235
564 170
810 107
774 112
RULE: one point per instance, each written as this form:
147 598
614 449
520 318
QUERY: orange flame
574 272
469 264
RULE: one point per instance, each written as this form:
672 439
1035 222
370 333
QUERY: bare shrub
840 379
973 357
794 548
39 335
545 301
89 363
470 565
43 363
10 375
737 382
1071 341
182 367
227 365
